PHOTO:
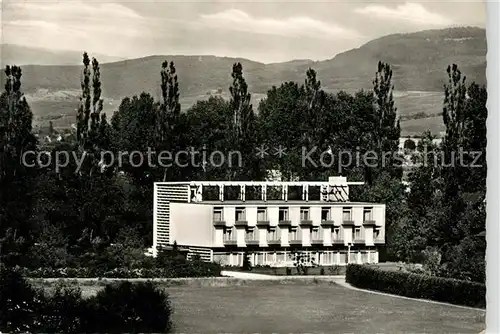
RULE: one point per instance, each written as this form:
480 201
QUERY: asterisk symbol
280 151
262 151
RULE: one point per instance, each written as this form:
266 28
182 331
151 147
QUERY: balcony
219 223
348 222
241 223
327 222
252 242
359 241
369 223
230 242
306 223
317 242
274 242
285 223
338 241
263 223
379 241
295 242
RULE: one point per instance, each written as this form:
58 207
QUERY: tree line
56 215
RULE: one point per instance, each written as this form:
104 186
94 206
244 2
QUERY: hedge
411 285
201 269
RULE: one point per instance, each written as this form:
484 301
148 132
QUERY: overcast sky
259 30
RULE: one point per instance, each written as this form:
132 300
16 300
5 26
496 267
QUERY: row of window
240 214
294 233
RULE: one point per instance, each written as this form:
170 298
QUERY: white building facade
220 221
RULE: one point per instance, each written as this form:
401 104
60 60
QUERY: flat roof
282 202
258 183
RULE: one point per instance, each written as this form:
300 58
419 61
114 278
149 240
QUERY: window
376 233
240 214
218 214
261 214
304 213
335 233
367 214
356 233
315 235
346 214
283 214
250 234
272 234
325 214
228 234
293 234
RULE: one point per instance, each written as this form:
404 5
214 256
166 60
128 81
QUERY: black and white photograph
244 167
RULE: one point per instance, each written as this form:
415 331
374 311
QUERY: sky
263 31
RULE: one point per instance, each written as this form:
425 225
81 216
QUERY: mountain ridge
419 61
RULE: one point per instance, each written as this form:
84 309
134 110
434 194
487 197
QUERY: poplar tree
386 128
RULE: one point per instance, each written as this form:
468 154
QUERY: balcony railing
230 242
369 222
327 222
379 241
295 242
284 223
315 241
306 222
252 242
263 223
241 223
348 222
338 241
219 223
274 242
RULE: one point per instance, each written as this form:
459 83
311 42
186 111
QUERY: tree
208 124
240 102
280 122
134 127
244 135
17 177
51 128
168 132
386 129
15 125
90 123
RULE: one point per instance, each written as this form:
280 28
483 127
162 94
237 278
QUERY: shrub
20 303
127 307
63 310
417 286
247 264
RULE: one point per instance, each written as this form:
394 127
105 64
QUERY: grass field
298 307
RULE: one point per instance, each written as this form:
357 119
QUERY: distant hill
418 59
13 54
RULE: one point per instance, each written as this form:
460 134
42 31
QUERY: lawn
271 307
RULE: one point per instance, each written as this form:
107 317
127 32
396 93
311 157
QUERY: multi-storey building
221 221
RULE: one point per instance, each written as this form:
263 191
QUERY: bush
21 305
247 264
63 310
417 286
127 307
124 307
